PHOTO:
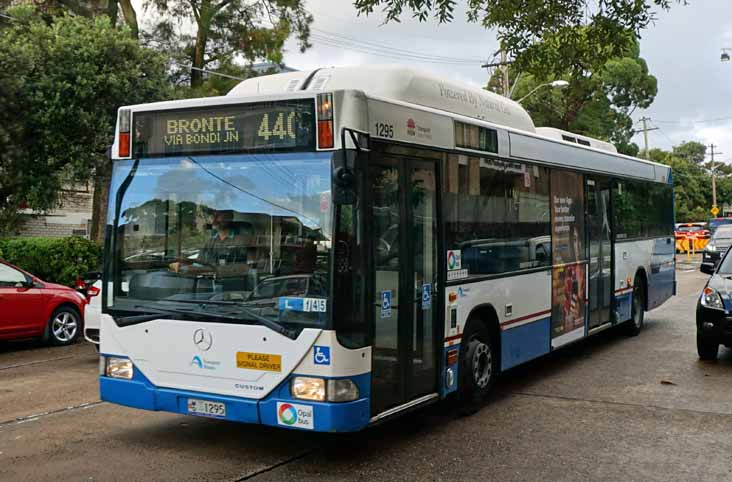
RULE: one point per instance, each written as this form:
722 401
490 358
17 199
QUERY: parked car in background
713 323
91 286
714 223
33 308
719 243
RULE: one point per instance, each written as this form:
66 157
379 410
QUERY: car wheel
707 349
635 324
478 367
64 326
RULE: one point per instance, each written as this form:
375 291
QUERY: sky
682 50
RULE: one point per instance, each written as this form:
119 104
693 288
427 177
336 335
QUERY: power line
388 48
356 48
374 48
694 122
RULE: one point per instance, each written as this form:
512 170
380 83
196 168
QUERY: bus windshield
236 237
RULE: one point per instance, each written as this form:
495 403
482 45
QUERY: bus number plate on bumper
206 408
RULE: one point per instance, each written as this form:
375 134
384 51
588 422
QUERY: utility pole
504 71
714 174
645 130
503 64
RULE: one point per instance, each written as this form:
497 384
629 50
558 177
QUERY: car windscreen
240 232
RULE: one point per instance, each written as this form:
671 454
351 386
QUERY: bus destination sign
281 125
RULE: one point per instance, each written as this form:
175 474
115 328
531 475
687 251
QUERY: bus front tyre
478 368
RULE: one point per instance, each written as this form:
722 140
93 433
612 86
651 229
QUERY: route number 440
283 126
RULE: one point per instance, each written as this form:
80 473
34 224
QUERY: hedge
57 260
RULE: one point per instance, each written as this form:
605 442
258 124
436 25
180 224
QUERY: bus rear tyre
478 367
635 324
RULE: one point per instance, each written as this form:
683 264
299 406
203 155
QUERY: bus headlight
308 388
342 390
320 390
119 368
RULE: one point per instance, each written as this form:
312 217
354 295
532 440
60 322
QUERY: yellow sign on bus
259 361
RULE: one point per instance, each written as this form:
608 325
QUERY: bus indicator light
452 357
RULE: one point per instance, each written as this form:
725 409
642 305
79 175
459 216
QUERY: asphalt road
608 409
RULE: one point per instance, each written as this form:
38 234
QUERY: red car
31 308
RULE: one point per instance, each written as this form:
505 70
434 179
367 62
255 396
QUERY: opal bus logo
453 259
295 415
287 414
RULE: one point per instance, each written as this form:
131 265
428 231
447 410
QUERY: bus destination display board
281 125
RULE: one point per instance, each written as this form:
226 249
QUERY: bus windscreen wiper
271 324
136 319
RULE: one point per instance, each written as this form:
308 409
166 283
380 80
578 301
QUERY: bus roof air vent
561 135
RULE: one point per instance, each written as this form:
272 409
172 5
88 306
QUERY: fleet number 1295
384 130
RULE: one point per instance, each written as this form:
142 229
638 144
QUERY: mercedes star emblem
202 339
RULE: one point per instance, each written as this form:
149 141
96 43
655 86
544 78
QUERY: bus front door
600 283
403 234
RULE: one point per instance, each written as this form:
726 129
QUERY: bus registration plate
206 408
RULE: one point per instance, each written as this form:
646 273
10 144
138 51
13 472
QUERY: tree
62 84
229 29
692 151
523 25
692 185
600 96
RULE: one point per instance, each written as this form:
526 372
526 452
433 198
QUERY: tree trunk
100 201
128 11
199 50
113 11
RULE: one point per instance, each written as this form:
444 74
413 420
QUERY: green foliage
57 260
691 151
63 79
600 95
226 31
692 183
523 25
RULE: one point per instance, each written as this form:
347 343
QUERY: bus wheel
635 324
478 367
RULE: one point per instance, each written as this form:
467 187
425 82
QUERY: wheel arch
640 273
486 313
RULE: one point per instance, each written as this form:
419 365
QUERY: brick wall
71 217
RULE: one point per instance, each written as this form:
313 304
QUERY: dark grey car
718 245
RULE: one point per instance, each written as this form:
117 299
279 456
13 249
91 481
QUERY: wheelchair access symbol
321 355
386 304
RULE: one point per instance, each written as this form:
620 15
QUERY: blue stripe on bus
445 389
525 342
140 392
623 304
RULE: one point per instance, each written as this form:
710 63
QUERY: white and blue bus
323 250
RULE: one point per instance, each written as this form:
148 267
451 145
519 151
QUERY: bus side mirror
344 184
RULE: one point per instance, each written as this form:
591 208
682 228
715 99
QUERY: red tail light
325 134
92 291
124 144
325 121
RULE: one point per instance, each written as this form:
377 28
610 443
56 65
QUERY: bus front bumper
277 409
